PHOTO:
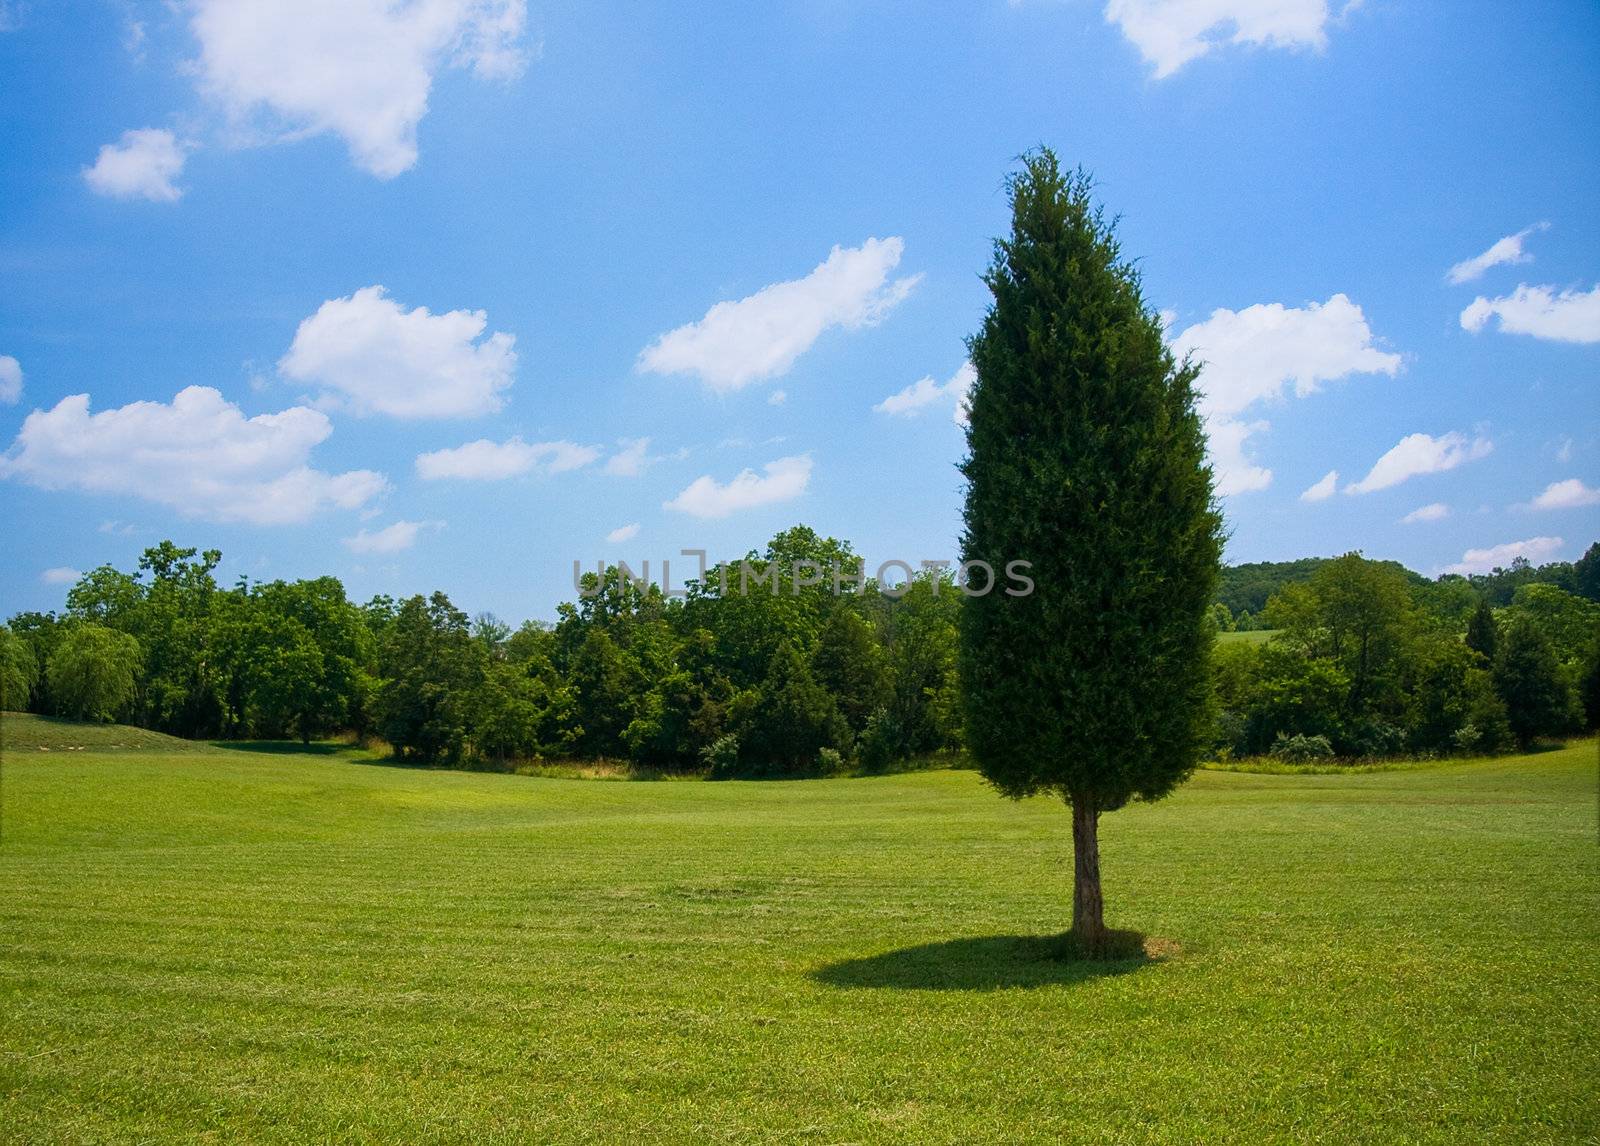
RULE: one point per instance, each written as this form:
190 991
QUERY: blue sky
376 235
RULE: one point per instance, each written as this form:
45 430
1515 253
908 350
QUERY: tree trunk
1088 909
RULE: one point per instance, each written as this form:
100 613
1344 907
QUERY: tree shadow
287 747
995 962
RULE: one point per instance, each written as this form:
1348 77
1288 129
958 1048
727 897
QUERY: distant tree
19 672
94 673
786 724
1087 459
1528 677
1586 573
432 670
1483 632
850 663
1571 622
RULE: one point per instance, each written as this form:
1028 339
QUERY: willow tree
1087 460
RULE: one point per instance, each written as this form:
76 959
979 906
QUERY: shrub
721 757
1299 749
829 762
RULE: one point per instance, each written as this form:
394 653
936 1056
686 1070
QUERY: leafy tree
19 672
787 723
1586 573
94 674
432 669
1483 632
1087 459
1528 677
850 663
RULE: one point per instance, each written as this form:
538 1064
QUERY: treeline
781 678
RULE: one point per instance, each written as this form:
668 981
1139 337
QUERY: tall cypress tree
1086 459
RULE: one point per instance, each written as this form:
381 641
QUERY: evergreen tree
1528 678
1483 634
1087 459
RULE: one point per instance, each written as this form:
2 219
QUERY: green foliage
1087 459
432 669
1298 749
19 671
1529 678
1483 631
94 673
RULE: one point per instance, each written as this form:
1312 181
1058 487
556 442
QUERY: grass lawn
225 944
1248 637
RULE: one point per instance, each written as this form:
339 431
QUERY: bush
829 762
1299 749
721 757
1371 737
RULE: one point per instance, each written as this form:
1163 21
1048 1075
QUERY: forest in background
1366 659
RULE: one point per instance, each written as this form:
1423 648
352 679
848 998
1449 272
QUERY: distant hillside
1246 588
22 732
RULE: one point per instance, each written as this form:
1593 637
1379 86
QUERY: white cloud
1564 450
379 357
485 460
141 165
1507 251
199 454
1536 549
1435 511
623 533
926 392
777 397
118 528
10 380
358 69
1170 33
60 575
1253 355
631 460
1235 471
1568 316
396 538
1417 454
762 335
786 479
1569 494
1323 489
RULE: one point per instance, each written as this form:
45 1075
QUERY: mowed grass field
214 944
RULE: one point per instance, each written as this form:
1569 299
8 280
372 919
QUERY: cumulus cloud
1569 494
1436 511
485 460
784 480
1506 251
1255 355
1323 489
955 391
762 335
199 455
1417 454
140 165
623 533
358 69
1540 311
10 380
396 538
1234 470
1535 549
60 575
373 354
1171 33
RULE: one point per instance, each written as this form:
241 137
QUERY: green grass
21 732
1251 637
224 944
